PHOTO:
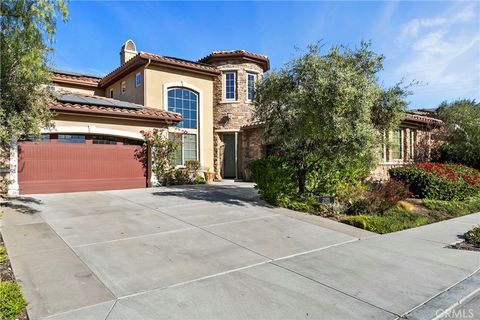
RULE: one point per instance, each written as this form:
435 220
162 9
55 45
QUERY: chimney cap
130 46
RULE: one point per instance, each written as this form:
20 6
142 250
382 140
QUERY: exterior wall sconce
229 115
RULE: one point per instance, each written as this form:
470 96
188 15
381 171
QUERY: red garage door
69 163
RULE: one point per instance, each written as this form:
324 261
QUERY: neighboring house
411 142
95 143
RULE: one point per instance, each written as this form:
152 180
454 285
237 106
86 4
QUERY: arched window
185 102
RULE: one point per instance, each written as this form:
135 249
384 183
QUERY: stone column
13 188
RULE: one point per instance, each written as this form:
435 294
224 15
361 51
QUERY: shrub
11 300
380 197
473 237
199 180
439 181
192 167
395 219
274 177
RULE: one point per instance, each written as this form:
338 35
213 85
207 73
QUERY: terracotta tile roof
237 54
75 78
102 106
409 116
252 125
142 58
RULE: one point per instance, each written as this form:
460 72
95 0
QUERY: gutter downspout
152 180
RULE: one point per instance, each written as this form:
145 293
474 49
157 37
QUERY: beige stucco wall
158 79
82 121
132 94
79 89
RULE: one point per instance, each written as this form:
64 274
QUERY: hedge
439 181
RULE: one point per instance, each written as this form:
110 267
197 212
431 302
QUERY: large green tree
325 113
27 34
461 132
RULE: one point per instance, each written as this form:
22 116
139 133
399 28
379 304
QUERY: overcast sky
436 43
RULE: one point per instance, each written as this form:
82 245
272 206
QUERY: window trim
401 146
247 86
138 81
411 144
234 86
199 130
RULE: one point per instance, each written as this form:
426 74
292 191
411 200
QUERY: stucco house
95 141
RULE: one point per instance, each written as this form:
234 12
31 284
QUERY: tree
461 132
27 33
324 114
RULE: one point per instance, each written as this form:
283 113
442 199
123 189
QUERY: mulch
464 246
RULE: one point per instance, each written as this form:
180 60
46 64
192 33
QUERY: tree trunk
302 176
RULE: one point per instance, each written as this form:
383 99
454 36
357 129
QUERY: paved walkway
216 252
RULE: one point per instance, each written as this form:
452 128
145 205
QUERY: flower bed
439 181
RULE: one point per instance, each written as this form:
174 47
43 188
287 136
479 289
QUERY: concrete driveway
215 252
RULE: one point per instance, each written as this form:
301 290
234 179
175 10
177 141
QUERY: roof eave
106 114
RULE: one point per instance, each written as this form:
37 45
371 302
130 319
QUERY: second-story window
124 87
250 86
111 93
230 86
138 79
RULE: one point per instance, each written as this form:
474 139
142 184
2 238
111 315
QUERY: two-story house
95 143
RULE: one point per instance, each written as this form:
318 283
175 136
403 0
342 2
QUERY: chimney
128 51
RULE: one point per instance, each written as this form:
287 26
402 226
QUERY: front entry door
229 156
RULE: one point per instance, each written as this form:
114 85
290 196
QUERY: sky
434 43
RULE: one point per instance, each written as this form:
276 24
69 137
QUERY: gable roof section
225 55
143 58
67 77
74 103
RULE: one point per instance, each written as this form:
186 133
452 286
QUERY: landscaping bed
12 302
416 195
471 242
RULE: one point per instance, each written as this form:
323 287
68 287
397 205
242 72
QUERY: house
95 143
411 142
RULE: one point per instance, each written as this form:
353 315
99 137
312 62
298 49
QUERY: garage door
71 162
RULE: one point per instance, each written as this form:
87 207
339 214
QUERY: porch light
229 115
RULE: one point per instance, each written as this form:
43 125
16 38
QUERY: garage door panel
52 167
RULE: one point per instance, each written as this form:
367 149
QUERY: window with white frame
124 87
230 86
411 144
138 79
396 145
185 102
187 147
384 147
250 86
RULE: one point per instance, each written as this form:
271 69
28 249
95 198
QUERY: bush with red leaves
439 181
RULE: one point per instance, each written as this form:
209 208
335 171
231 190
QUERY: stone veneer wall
252 149
241 109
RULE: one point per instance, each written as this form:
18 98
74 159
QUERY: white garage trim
94 130
13 187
